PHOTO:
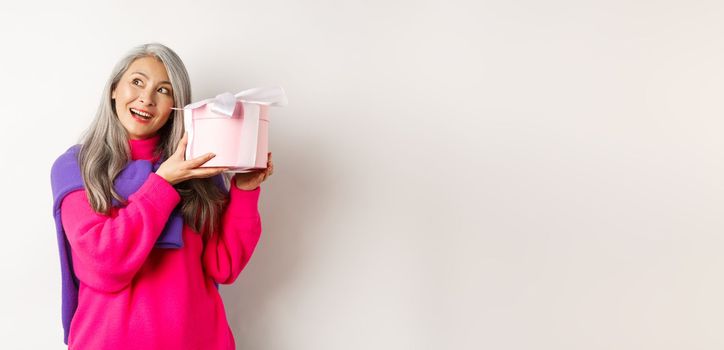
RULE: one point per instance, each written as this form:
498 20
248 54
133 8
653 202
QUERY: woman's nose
144 97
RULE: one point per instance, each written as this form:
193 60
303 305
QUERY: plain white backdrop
448 174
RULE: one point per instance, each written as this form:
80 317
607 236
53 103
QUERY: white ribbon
225 103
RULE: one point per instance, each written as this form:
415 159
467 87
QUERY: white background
448 174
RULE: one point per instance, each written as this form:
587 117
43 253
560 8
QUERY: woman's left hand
251 180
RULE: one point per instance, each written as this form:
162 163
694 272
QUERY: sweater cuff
244 201
159 192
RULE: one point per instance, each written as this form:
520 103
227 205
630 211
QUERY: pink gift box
234 127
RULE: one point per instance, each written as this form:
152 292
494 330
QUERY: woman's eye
135 80
163 90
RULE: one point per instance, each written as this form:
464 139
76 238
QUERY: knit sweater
132 295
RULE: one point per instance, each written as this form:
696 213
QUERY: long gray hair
105 148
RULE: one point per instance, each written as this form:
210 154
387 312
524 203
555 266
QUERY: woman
145 237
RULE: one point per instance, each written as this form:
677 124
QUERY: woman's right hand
175 169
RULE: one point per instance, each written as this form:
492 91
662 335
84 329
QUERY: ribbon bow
225 103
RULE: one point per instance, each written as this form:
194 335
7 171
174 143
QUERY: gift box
235 127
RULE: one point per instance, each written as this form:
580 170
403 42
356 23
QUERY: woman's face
143 98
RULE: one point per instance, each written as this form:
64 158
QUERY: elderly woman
145 237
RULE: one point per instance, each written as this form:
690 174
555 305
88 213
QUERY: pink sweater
134 296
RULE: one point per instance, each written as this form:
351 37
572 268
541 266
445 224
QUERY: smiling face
143 98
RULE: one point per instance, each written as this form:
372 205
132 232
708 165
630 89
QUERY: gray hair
105 148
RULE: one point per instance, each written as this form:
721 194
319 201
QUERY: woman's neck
143 149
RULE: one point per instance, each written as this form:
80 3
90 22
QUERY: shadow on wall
292 204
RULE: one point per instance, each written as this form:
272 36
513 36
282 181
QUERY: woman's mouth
140 115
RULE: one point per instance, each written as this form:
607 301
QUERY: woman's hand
251 180
175 169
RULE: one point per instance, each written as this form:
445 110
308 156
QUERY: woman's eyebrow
146 76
